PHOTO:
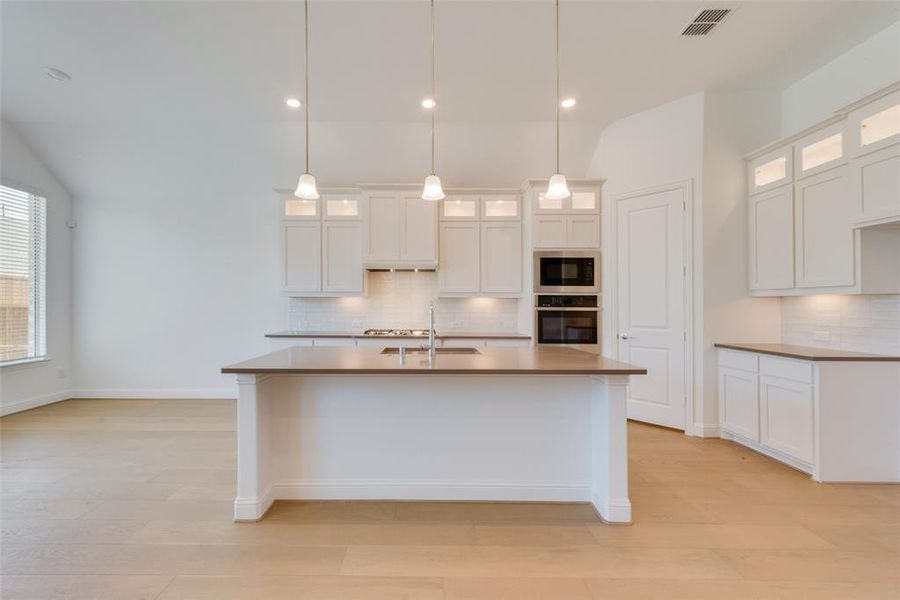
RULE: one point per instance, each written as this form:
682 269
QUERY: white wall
862 70
733 124
29 385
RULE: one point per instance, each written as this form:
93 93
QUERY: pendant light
557 189
306 186
433 189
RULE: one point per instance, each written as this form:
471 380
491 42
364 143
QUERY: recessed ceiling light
57 74
428 103
568 103
293 102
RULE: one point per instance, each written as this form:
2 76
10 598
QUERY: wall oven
567 272
570 320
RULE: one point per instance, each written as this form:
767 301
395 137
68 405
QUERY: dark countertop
807 352
489 361
357 335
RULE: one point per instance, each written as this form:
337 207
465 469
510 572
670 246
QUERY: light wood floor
132 499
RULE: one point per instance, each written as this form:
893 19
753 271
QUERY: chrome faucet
431 329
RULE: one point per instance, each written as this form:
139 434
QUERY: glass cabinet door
821 150
771 170
459 207
296 208
341 206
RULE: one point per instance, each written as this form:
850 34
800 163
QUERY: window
23 332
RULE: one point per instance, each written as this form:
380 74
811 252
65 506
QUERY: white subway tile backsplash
856 323
401 300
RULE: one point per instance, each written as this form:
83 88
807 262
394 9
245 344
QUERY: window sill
24 362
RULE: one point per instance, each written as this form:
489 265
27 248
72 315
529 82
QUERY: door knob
624 336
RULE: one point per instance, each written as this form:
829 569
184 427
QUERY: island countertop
443 335
488 361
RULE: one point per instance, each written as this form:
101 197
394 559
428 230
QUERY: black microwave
567 272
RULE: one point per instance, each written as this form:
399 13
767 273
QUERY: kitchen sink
418 350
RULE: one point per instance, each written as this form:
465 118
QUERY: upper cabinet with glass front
340 205
293 208
874 136
821 150
582 200
771 170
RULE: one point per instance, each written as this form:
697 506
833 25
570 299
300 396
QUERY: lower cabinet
786 417
739 402
768 402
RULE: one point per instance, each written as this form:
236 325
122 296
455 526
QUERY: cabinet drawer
796 370
746 361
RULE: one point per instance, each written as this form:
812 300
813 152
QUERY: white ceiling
180 77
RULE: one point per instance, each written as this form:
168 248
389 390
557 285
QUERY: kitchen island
506 424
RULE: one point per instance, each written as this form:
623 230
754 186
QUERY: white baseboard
706 430
430 490
9 408
779 456
252 509
612 511
159 394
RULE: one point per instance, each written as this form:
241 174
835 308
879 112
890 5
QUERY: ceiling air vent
705 21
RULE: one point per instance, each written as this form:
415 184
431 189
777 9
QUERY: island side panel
609 448
435 437
254 460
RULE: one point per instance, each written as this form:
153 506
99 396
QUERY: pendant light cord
433 99
306 72
557 86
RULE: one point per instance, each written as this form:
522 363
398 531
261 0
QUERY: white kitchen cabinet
341 205
383 227
401 230
280 343
342 269
550 231
500 207
738 402
501 258
567 231
460 207
875 124
823 229
419 230
294 208
771 223
821 150
302 256
786 417
583 231
875 184
323 248
460 268
332 342
572 222
835 418
771 170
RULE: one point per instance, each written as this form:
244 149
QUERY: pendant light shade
306 187
558 188
433 189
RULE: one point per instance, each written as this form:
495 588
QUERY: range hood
372 269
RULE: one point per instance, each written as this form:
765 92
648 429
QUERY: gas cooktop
396 332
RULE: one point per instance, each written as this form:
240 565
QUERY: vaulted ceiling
198 88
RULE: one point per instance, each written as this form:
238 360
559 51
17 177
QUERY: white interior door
651 303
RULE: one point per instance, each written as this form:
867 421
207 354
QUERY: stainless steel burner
396 332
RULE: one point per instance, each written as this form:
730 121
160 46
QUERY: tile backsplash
400 300
855 323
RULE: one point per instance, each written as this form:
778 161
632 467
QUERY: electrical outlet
821 336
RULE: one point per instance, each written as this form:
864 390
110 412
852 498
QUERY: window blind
23 227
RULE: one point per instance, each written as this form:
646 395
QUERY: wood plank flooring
129 499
